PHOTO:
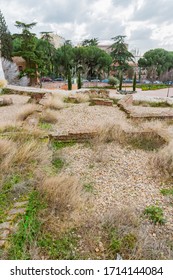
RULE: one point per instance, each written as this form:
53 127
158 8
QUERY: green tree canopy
120 53
90 42
158 60
5 39
27 47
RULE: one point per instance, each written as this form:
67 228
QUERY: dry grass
55 102
163 160
122 133
6 147
111 132
26 111
3 83
63 193
81 97
48 116
9 126
27 156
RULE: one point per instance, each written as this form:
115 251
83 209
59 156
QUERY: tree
64 59
121 81
134 82
97 62
49 52
69 80
90 42
157 62
120 54
79 83
28 49
5 39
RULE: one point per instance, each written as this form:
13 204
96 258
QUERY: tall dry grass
55 102
25 111
48 116
63 193
81 97
6 147
24 156
163 160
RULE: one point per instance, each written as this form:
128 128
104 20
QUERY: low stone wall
78 136
103 102
136 112
35 95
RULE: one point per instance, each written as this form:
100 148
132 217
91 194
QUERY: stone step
17 211
20 204
5 225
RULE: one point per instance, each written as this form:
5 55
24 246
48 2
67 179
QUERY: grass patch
167 191
59 249
57 145
162 104
45 125
89 188
119 244
58 163
152 87
5 195
155 214
145 141
28 230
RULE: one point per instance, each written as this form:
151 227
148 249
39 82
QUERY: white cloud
146 24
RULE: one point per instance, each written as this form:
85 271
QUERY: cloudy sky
146 23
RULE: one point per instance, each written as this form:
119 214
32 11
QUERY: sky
147 24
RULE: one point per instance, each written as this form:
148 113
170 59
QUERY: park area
86 174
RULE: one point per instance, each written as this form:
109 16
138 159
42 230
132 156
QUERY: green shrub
167 191
113 81
155 213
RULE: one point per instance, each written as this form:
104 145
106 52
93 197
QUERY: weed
89 188
155 214
58 163
5 194
45 125
145 141
167 191
115 242
57 145
59 249
28 230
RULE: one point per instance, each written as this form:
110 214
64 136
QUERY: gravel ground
81 117
8 113
121 176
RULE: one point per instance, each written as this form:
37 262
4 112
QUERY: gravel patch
81 117
121 178
8 113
